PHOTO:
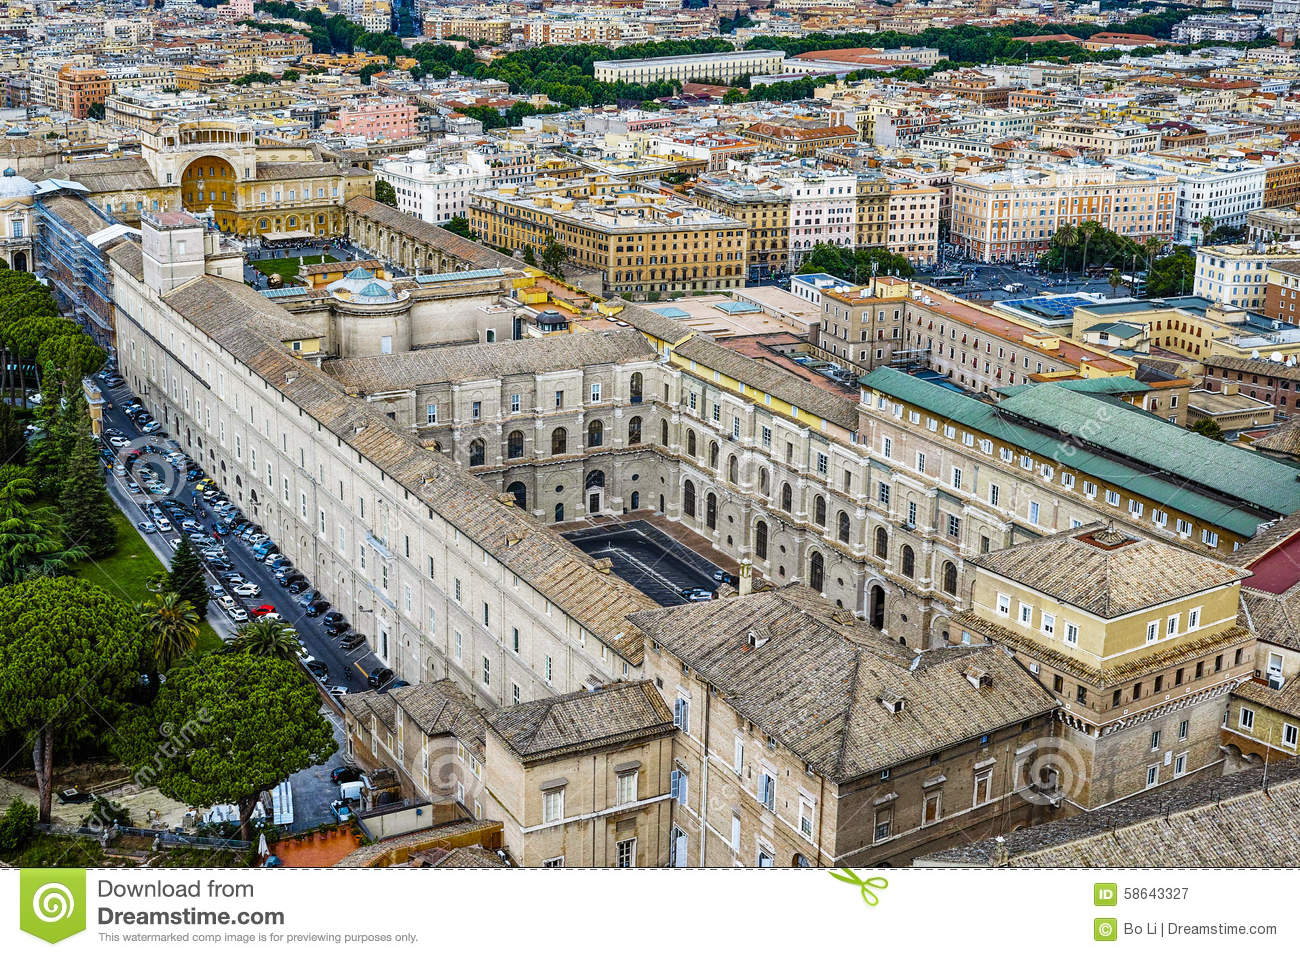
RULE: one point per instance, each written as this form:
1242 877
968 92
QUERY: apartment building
914 222
911 749
800 138
764 207
1012 214
386 118
720 67
1277 383
1238 274
823 209
491 30
1224 190
1098 139
1141 665
864 324
80 89
641 243
431 190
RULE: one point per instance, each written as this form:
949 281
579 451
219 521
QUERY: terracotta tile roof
813 678
476 254
1216 822
440 708
583 721
1108 572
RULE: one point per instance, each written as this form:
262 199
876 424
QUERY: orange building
79 89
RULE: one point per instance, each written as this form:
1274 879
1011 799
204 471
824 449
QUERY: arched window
634 430
637 386
733 470
520 493
819 511
909 561
816 571
882 542
713 455
760 539
950 578
690 442
595 433
636 501
476 451
711 510
763 481
663 432
559 442
842 527
688 498
787 498
515 445
559 511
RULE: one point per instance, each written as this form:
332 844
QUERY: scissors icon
865 885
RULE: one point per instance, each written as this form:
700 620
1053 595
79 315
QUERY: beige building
1012 214
1097 138
719 67
1140 663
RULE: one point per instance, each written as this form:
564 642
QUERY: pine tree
186 578
83 500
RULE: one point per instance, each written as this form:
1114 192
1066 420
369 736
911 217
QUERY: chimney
745 581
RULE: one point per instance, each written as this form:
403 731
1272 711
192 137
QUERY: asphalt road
345 668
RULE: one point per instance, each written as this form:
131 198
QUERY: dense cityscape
650 433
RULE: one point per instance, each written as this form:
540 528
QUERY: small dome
360 273
374 291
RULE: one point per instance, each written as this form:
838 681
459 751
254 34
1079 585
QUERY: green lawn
289 266
125 572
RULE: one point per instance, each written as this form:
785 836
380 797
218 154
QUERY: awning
289 236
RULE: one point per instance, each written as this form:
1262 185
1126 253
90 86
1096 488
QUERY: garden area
287 267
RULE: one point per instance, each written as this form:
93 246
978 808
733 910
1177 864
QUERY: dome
374 290
361 285
13 186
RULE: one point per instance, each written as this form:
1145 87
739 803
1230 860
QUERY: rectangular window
883 494
682 714
1153 631
678 787
956 478
552 805
738 760
1194 619
1290 735
595 392
1180 765
1033 513
983 786
547 672
514 402
887 447
1004 605
1048 624
884 823
1182 730
487 672
1026 614
1155 740
767 790
954 526
822 463
1153 775
1171 627
920 461
806 815
627 787
995 493
735 833
1071 633
1247 720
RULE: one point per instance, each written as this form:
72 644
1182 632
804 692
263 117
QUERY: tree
239 724
1087 229
385 193
17 827
1208 428
83 500
186 578
33 542
1172 275
1065 239
1207 228
267 639
290 76
529 256
368 71
171 627
68 653
1115 279
460 226
13 443
553 256
95 111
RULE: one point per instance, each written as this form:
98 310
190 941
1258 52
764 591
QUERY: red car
261 610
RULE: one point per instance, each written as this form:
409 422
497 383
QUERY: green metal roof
1121 329
1166 490
1110 385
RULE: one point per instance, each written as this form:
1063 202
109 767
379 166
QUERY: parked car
354 640
344 773
377 679
318 668
262 610
248 590
337 691
147 527
237 614
332 617
133 488
299 586
336 628
697 594
317 608
342 813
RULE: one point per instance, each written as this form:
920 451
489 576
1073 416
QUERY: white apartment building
914 222
1237 275
1224 190
711 66
823 209
433 190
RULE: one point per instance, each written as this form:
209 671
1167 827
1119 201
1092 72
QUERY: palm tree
1087 230
1207 227
1065 239
172 626
1152 246
1115 279
274 639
